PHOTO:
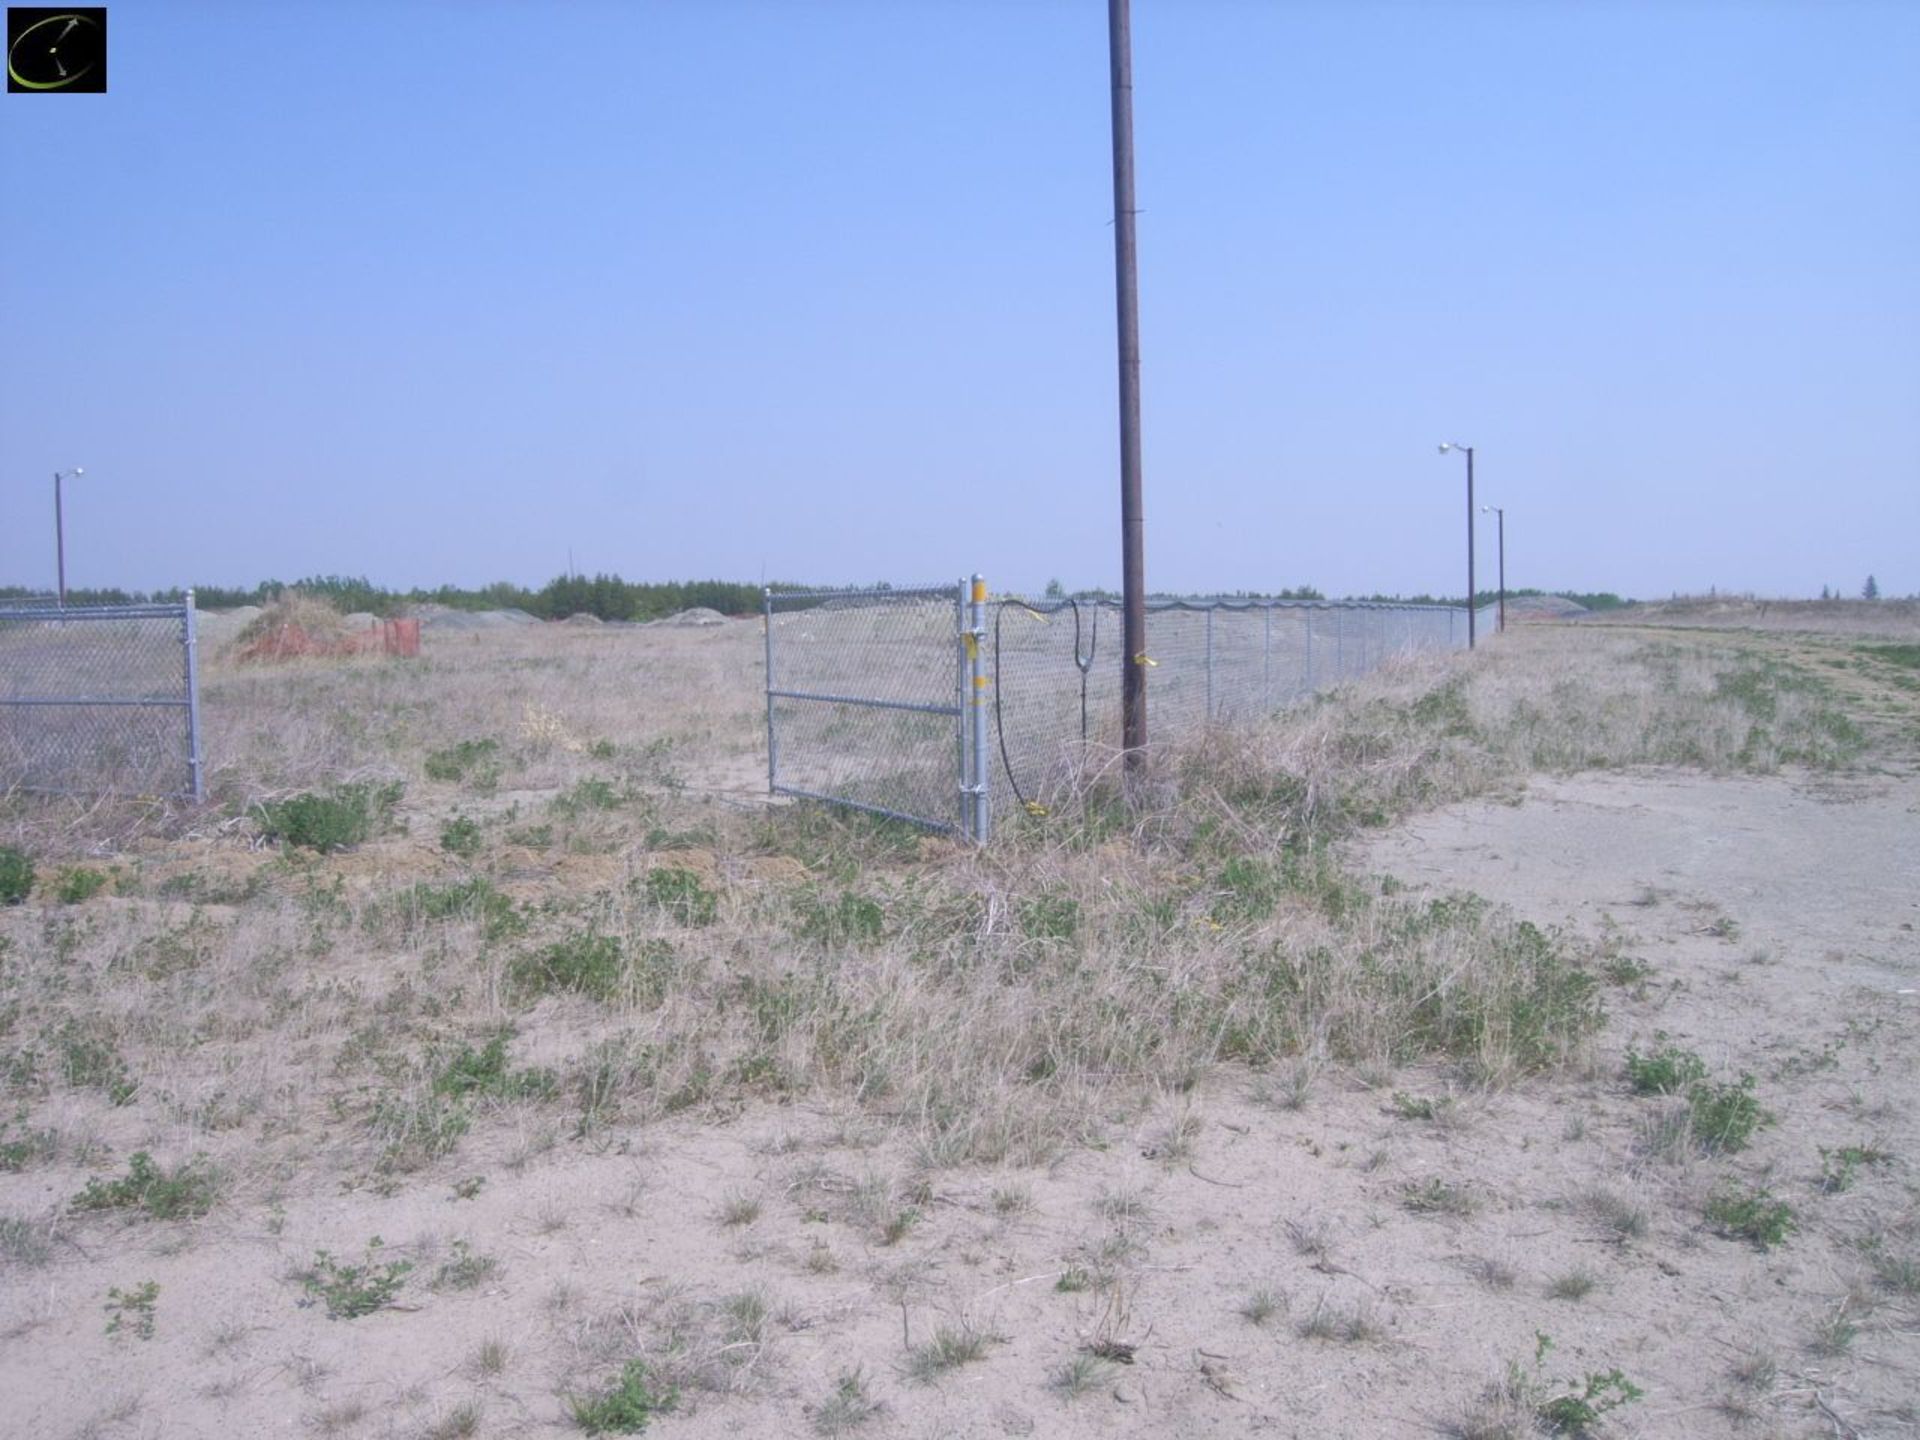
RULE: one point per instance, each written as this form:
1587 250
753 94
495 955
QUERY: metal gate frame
971 701
195 788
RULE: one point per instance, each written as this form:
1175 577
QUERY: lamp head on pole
1446 445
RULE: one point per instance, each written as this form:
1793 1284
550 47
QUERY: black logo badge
56 49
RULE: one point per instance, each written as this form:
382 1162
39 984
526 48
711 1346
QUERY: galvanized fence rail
100 699
921 703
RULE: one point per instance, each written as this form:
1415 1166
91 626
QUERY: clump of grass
465 1269
848 920
474 758
1667 1071
77 885
461 1421
1754 1214
681 896
417 1128
185 1192
1835 1332
1619 1215
16 875
90 1059
333 819
25 1243
1435 1196
1262 1305
585 963
739 1208
473 899
848 1406
1574 1284
461 836
486 1071
350 1291
1079 1374
1353 1325
949 1349
627 1406
1838 1167
18 1152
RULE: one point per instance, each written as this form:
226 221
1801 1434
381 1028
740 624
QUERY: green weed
185 1192
16 875
77 885
485 1071
1668 1071
333 819
351 1291
681 896
626 1407
461 836
468 757
1754 1214
132 1311
585 963
1837 1167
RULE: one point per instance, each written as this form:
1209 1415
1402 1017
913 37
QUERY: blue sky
435 291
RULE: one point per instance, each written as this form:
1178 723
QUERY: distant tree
1870 590
1055 590
1825 594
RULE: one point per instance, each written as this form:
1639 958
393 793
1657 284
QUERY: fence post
1308 613
1266 659
190 638
773 738
1450 615
982 829
1209 665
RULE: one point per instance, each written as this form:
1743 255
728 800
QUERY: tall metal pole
60 537
1126 274
1470 590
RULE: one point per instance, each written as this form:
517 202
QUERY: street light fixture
59 528
1501 512
1445 446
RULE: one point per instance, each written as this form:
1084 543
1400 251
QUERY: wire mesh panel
1057 667
864 699
99 699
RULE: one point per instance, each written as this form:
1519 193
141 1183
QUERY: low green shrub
16 875
1755 1214
185 1192
1668 1071
78 884
351 1291
331 819
461 836
625 1407
681 895
586 963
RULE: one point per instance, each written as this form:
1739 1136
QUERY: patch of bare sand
1339 1268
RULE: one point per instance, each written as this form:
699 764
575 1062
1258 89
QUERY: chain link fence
100 699
931 703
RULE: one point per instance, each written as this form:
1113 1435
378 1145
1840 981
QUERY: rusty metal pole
1126 274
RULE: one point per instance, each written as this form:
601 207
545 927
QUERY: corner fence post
982 828
190 639
773 739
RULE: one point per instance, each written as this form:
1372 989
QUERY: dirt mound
1543 607
698 615
442 617
581 617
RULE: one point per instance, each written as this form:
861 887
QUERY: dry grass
647 939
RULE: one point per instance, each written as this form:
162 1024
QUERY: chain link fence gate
876 701
100 699
915 703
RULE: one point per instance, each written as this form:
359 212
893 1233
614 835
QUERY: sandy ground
1264 1270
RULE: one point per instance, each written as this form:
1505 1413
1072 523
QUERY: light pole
1445 446
60 530
1501 512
